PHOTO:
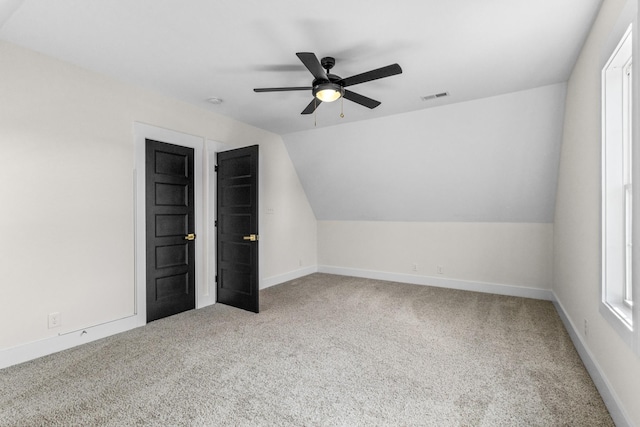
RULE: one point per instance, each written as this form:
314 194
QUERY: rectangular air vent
434 96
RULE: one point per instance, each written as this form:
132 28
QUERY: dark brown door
170 222
237 231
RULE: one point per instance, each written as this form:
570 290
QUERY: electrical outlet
439 269
414 267
54 320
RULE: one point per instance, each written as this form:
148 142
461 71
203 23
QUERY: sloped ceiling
197 49
489 160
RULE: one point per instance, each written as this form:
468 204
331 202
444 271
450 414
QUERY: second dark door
237 228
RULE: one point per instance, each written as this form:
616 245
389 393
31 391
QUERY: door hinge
216 278
215 169
215 223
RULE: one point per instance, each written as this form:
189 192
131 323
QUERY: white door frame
142 132
210 159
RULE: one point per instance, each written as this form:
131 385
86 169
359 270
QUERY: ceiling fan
327 87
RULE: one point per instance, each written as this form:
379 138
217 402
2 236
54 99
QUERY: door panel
171 194
170 216
172 225
172 256
237 211
170 287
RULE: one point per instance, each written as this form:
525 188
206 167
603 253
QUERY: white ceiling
197 49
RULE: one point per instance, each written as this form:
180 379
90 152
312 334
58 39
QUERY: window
627 118
617 250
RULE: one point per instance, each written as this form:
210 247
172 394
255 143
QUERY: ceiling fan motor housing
327 63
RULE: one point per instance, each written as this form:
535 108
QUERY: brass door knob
251 237
190 236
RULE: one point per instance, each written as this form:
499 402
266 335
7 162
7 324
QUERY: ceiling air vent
434 96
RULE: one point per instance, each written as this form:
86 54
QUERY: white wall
66 174
474 256
488 160
288 225
576 271
469 187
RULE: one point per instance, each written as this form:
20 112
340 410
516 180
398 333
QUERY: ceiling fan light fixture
328 92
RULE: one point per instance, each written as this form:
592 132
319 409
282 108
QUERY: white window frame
627 119
617 191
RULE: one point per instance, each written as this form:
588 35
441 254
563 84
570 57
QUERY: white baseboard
292 275
23 353
465 285
611 400
26 352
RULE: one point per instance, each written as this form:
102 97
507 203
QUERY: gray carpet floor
324 351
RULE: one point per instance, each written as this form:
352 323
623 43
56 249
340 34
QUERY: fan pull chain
315 112
342 107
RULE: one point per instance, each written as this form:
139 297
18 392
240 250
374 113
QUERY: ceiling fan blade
281 89
312 106
379 73
360 99
310 60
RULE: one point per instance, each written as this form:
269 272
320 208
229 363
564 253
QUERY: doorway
204 292
170 229
237 279
205 214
